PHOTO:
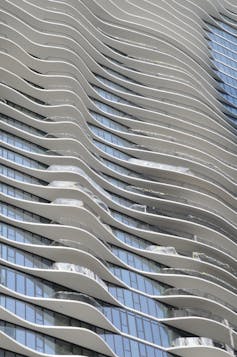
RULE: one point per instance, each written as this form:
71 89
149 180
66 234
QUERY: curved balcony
74 65
215 245
190 312
80 246
80 269
201 341
207 259
201 275
76 170
68 295
161 249
77 185
76 203
196 292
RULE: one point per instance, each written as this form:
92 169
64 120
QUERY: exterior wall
118 178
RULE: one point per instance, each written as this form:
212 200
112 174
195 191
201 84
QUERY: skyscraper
118 178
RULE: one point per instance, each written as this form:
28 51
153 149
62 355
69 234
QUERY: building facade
118 178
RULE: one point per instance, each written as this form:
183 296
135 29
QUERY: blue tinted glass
16 192
19 176
17 234
223 48
137 281
20 214
21 143
20 159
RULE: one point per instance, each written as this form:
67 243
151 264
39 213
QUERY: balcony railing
194 293
67 295
173 313
162 250
79 269
80 246
201 275
200 341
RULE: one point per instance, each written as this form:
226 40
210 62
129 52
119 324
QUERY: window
20 214
137 281
21 159
16 192
19 176
17 234
21 143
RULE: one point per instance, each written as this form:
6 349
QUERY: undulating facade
118 178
